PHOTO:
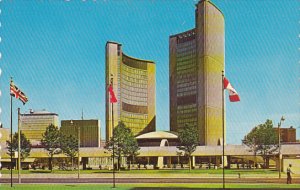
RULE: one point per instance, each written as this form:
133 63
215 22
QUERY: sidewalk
139 175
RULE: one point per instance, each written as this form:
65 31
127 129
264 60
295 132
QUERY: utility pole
112 122
223 131
19 147
279 147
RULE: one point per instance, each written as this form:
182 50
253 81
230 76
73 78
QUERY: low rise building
287 135
89 131
33 124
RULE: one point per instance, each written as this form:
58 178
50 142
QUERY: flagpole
19 147
11 140
223 126
112 121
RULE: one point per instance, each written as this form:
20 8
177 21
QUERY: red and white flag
233 95
17 93
112 98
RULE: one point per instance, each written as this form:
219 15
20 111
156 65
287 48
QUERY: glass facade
34 124
89 131
196 65
186 81
135 81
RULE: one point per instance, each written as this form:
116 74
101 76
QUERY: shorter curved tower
134 87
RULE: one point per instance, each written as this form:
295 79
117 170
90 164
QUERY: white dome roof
158 135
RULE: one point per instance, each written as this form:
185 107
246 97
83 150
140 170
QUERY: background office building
4 135
33 124
196 65
287 135
134 86
89 131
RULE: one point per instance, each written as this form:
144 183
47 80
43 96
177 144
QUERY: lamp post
78 134
279 146
112 122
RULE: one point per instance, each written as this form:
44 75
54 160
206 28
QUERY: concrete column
169 164
160 162
228 162
218 161
193 161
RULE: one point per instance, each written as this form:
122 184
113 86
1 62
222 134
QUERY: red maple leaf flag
112 98
233 95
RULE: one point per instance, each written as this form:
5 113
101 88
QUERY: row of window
183 52
187 122
189 106
134 121
135 92
186 89
186 84
191 76
187 44
134 115
183 60
186 67
131 89
134 72
186 111
186 71
186 80
187 93
134 126
135 84
187 116
134 101
134 78
140 73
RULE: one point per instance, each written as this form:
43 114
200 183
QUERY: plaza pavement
152 175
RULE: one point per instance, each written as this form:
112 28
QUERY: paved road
149 180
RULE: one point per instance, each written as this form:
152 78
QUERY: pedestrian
288 173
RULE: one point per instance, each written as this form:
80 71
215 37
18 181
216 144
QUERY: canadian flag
113 98
233 95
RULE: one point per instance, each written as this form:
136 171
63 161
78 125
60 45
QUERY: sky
55 52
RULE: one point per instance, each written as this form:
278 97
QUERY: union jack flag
17 93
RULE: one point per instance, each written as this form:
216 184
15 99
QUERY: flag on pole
233 95
113 98
17 93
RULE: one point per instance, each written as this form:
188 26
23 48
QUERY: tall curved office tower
134 87
196 65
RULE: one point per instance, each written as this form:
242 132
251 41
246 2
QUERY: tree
25 146
262 140
123 142
188 137
131 148
69 146
51 142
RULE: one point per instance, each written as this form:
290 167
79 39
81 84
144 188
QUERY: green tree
262 140
188 137
131 148
69 146
51 142
123 142
25 146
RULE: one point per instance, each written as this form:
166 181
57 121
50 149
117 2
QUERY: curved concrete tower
196 65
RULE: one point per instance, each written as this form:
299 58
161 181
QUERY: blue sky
55 50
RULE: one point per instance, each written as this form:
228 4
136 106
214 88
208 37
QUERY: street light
78 134
279 146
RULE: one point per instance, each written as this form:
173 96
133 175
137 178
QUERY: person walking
288 173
